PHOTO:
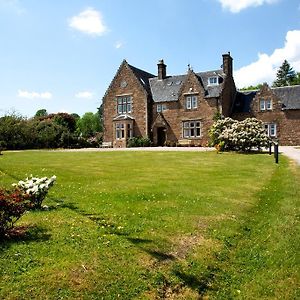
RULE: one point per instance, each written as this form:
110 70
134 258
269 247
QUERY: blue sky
61 55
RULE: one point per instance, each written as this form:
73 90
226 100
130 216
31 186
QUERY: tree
252 87
41 113
296 80
285 75
89 124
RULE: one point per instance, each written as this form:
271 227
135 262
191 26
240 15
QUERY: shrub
229 134
138 142
2 146
13 205
36 189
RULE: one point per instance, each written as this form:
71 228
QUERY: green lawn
154 225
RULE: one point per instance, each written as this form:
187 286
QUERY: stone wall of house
287 121
176 113
125 83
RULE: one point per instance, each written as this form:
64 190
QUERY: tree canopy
285 75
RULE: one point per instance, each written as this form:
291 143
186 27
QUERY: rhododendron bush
36 188
25 195
229 134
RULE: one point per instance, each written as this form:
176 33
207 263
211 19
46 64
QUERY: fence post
270 148
276 152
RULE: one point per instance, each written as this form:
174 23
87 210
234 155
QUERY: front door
161 136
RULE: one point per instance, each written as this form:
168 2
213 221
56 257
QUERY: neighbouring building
179 109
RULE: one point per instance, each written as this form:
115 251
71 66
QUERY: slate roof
143 76
167 90
288 95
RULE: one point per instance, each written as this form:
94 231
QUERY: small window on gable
161 107
191 102
213 80
265 104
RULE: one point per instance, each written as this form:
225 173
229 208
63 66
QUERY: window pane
192 132
272 129
188 102
267 129
262 104
192 124
194 104
198 124
119 108
268 104
186 133
128 107
198 132
158 108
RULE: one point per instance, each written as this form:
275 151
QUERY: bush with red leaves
13 204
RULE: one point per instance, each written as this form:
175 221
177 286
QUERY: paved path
141 149
291 152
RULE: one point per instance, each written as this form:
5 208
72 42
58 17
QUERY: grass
150 225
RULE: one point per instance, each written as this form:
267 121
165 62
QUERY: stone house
179 109
278 108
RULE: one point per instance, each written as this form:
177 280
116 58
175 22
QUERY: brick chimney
162 70
227 64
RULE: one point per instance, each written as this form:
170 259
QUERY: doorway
161 136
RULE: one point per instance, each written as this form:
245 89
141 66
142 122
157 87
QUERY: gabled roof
142 76
168 89
289 97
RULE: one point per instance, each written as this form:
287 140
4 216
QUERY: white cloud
34 95
266 66
236 6
84 94
89 21
118 45
12 6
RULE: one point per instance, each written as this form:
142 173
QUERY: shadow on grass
199 284
24 234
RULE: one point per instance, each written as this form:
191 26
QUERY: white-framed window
191 102
161 107
124 104
265 104
192 129
213 80
271 129
120 131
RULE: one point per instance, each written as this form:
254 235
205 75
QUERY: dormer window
124 104
213 80
265 104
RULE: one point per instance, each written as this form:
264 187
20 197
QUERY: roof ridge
286 86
